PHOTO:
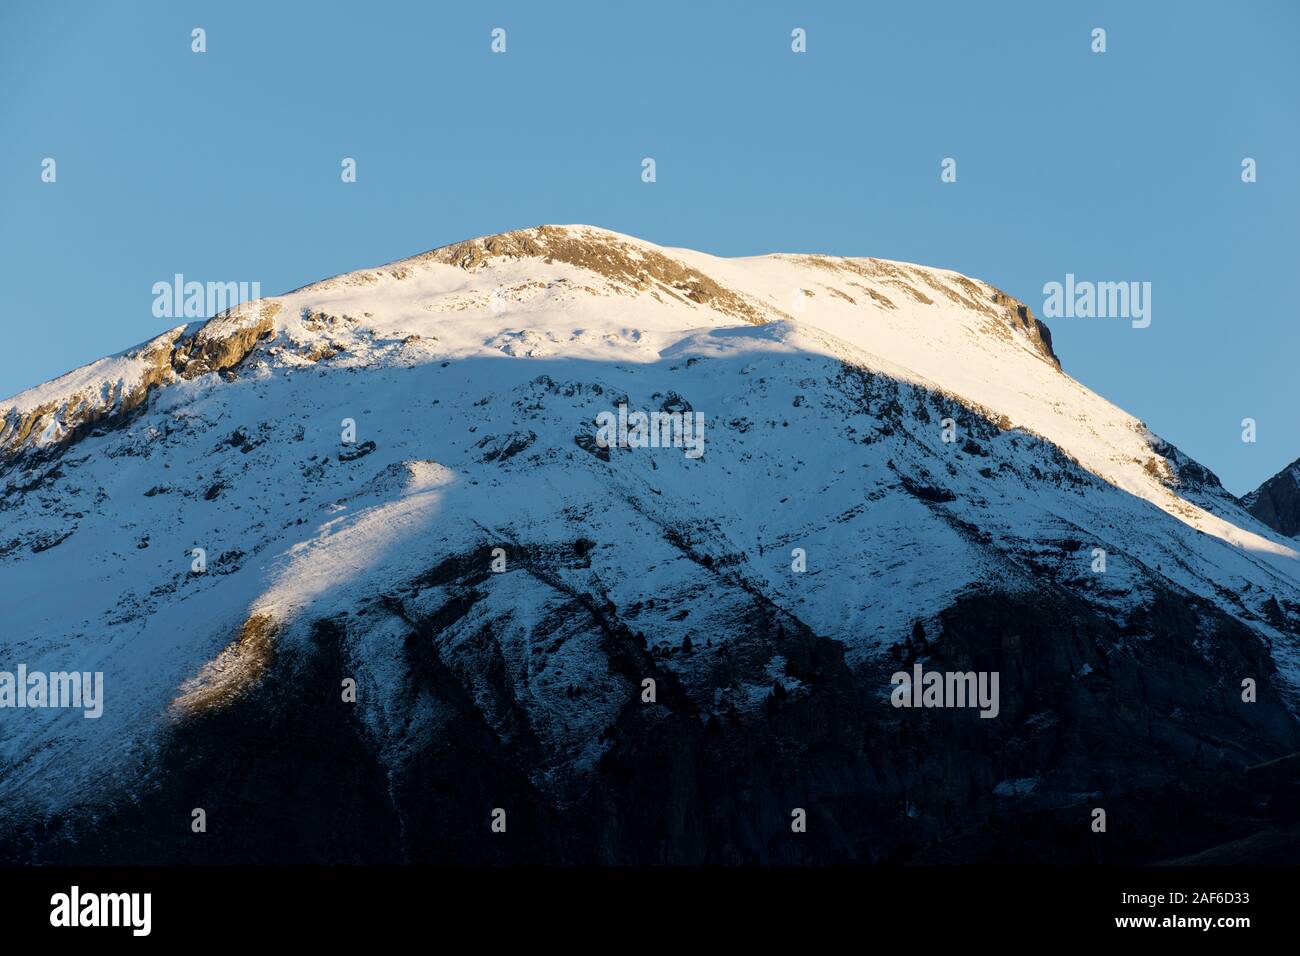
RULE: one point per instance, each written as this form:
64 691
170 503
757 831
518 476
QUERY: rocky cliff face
105 394
1277 501
427 592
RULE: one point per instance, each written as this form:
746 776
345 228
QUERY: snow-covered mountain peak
550 290
581 292
346 462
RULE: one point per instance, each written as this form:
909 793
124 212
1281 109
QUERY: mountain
397 478
1277 501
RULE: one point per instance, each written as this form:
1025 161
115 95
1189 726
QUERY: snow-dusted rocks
1277 501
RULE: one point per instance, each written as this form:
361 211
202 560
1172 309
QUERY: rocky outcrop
225 340
31 435
1277 501
59 422
1022 317
1181 473
636 267
1008 315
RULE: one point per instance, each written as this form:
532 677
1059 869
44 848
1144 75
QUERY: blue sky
1117 166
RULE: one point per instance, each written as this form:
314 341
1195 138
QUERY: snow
796 456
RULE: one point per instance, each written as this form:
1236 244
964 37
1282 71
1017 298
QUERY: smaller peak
1277 501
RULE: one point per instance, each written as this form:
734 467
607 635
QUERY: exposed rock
504 447
63 423
217 346
358 451
224 340
1277 501
1021 316
589 444
602 253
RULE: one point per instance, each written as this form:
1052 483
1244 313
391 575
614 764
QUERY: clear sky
1124 165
